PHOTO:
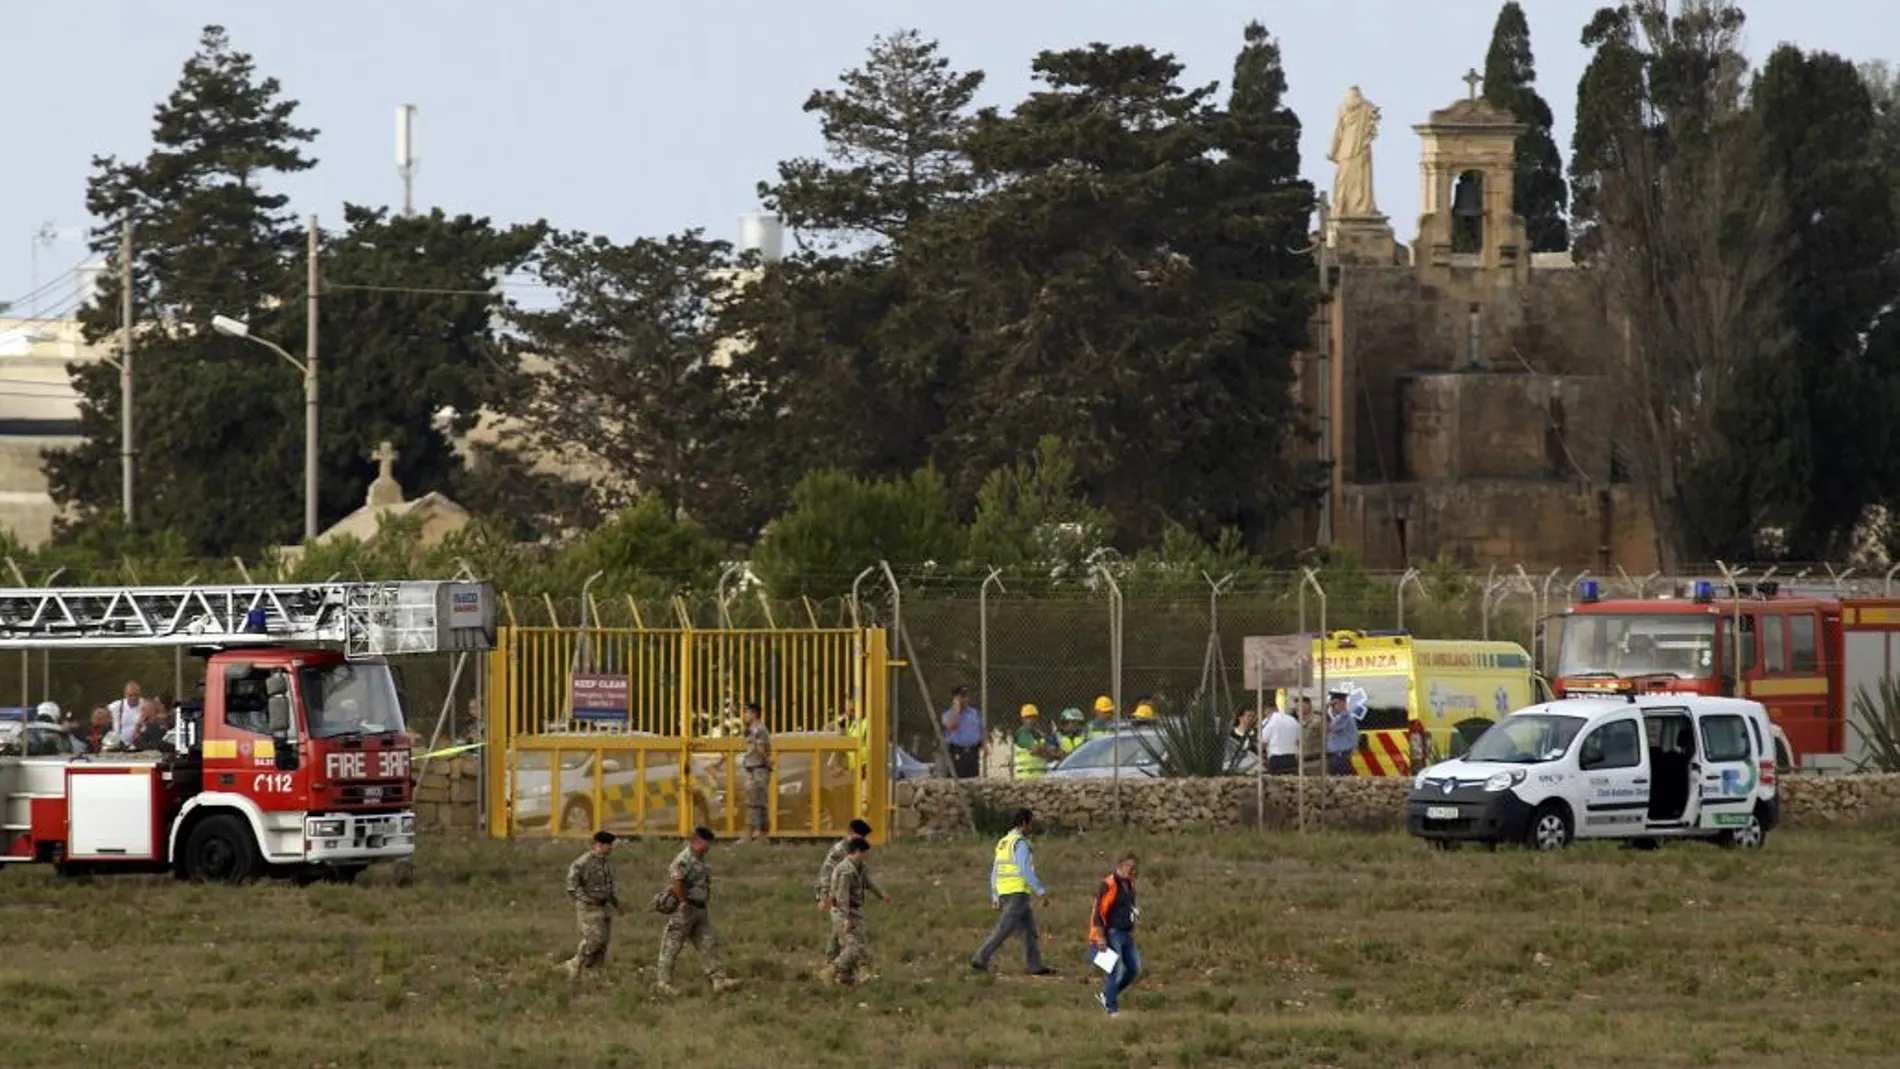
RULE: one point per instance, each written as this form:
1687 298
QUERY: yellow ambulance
1447 690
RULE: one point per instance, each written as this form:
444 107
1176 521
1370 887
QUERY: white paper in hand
1106 960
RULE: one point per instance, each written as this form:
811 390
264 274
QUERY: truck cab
1756 641
311 749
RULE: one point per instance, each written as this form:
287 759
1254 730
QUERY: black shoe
974 967
1044 971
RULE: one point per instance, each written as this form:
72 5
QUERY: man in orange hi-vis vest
1112 929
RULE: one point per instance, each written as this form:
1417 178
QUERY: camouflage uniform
822 888
758 776
850 881
691 924
590 883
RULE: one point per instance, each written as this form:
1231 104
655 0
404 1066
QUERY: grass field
1262 950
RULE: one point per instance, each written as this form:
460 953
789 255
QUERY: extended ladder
365 619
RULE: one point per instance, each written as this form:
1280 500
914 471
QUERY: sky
629 118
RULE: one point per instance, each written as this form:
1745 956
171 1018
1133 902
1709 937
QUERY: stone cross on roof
1472 80
385 490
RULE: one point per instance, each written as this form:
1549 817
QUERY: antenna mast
405 155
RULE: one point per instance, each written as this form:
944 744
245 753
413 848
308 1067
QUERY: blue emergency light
1588 591
1703 591
254 622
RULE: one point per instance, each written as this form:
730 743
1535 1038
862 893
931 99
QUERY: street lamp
237 328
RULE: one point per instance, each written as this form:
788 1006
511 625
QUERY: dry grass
1263 951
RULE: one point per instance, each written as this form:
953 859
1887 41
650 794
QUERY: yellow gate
638 731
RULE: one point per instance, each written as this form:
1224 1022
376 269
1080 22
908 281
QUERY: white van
1638 767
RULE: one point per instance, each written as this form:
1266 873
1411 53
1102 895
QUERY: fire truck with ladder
1804 654
293 762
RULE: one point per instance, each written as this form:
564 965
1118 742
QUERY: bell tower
1468 165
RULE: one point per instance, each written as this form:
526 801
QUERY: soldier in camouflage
590 883
850 881
821 887
757 766
690 880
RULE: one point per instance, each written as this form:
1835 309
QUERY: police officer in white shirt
126 711
1280 738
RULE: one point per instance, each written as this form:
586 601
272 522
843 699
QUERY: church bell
1467 201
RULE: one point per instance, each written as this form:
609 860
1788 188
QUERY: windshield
1623 646
1103 753
1526 739
350 699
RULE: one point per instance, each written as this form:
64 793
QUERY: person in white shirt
1280 738
126 712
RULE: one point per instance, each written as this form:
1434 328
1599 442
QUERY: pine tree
1538 193
1125 288
1840 273
410 350
633 387
219 420
893 133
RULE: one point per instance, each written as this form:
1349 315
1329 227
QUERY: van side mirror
278 707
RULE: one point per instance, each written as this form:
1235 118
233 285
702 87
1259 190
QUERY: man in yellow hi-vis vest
1012 879
1032 750
1071 730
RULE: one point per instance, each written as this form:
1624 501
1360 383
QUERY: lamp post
237 328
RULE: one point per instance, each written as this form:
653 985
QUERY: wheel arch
210 804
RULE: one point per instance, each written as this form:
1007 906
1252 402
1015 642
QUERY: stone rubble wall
448 792
448 799
946 807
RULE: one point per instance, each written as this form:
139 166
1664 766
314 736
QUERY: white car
1633 767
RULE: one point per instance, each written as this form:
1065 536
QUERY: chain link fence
1174 639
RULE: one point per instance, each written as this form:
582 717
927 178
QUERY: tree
221 420
1538 190
1123 285
644 550
1883 85
409 350
839 524
832 367
628 379
893 132
1840 274
1682 233
1032 513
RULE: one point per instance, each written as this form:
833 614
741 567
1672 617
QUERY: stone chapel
1458 384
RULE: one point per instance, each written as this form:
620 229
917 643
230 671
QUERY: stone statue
1351 153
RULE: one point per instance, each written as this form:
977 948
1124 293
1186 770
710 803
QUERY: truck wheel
219 850
1749 836
1550 829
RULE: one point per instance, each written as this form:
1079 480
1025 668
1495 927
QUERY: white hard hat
48 711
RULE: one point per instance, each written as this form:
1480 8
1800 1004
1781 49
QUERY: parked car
621 784
1136 752
1647 767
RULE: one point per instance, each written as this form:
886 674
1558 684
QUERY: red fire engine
293 762
1804 655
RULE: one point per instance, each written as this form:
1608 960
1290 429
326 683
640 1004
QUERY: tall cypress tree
1539 192
219 419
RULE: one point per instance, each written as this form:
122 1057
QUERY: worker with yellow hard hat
1034 750
1144 710
1103 722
